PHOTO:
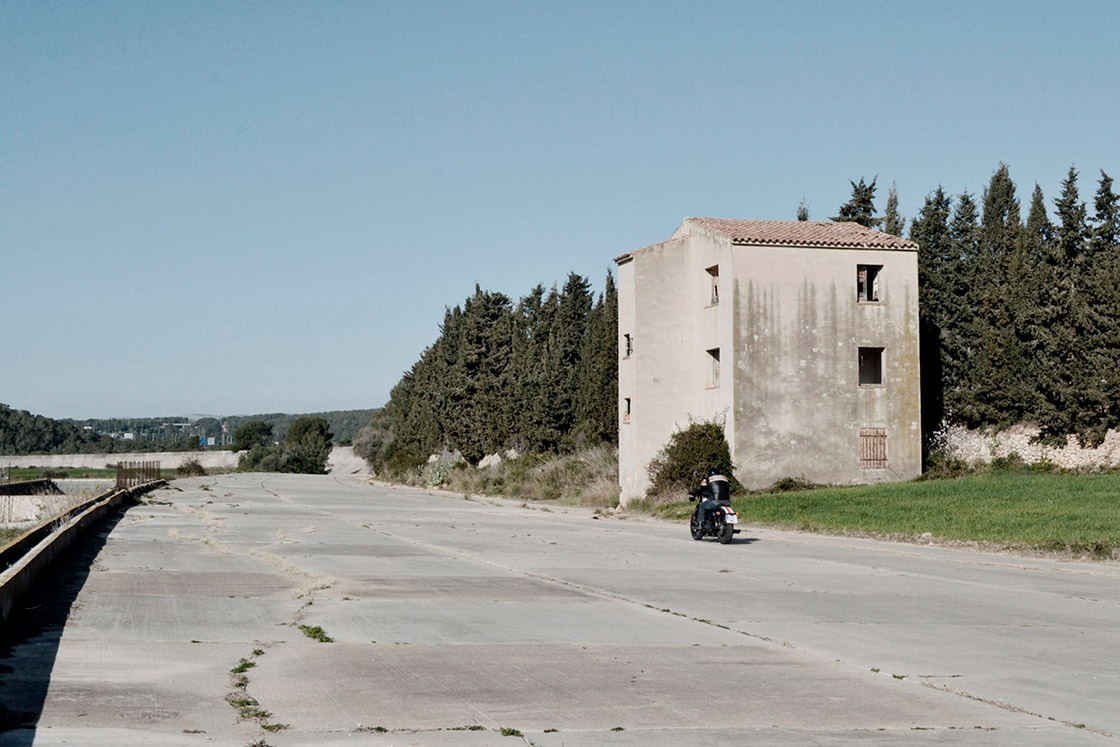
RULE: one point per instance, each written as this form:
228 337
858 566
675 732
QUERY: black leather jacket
716 488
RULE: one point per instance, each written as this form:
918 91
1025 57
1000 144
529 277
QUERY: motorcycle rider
715 489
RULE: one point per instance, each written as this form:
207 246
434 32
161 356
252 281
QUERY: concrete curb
44 486
27 558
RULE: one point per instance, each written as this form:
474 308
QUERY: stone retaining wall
166 459
981 447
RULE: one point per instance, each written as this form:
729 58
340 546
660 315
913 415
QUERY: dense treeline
538 376
344 424
1021 321
24 433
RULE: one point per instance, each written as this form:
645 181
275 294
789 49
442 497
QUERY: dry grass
19 513
588 477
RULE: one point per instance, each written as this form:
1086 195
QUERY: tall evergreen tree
937 265
999 381
861 207
893 222
1102 293
597 387
560 381
1073 399
536 316
532 324
1027 266
960 335
477 421
803 211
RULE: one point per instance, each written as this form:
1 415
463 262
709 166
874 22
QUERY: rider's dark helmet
712 471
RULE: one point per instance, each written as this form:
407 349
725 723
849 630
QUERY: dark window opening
626 410
627 346
870 366
867 283
713 274
713 373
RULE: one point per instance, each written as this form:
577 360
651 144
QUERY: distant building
802 337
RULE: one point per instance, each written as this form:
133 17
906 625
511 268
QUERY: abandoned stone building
801 337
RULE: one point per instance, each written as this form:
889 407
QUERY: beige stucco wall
788 327
665 304
798 402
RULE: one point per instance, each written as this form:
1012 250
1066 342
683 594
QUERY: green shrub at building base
682 463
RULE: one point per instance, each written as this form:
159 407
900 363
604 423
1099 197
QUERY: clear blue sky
233 208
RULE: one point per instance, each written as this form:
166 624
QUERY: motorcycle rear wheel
726 533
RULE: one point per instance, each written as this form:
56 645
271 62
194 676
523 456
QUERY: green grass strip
1025 510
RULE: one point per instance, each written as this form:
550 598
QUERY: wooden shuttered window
873 448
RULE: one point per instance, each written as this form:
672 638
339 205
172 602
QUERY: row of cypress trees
1021 321
537 376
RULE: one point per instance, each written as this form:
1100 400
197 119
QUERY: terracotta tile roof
803 233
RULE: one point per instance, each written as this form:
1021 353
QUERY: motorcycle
721 522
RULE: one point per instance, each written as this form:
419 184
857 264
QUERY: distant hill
24 433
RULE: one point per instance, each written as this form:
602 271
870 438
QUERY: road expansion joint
1015 709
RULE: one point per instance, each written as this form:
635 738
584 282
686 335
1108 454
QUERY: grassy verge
1078 514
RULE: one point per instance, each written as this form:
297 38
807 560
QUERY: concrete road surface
452 620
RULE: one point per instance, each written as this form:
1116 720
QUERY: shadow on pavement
29 639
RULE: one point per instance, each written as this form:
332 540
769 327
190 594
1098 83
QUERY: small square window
873 448
713 275
867 283
713 371
870 366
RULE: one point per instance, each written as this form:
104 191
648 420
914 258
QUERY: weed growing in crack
316 633
244 666
511 732
247 706
240 702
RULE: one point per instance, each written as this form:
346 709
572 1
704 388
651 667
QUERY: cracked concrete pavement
568 627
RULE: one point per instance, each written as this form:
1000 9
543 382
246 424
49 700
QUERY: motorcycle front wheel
694 527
